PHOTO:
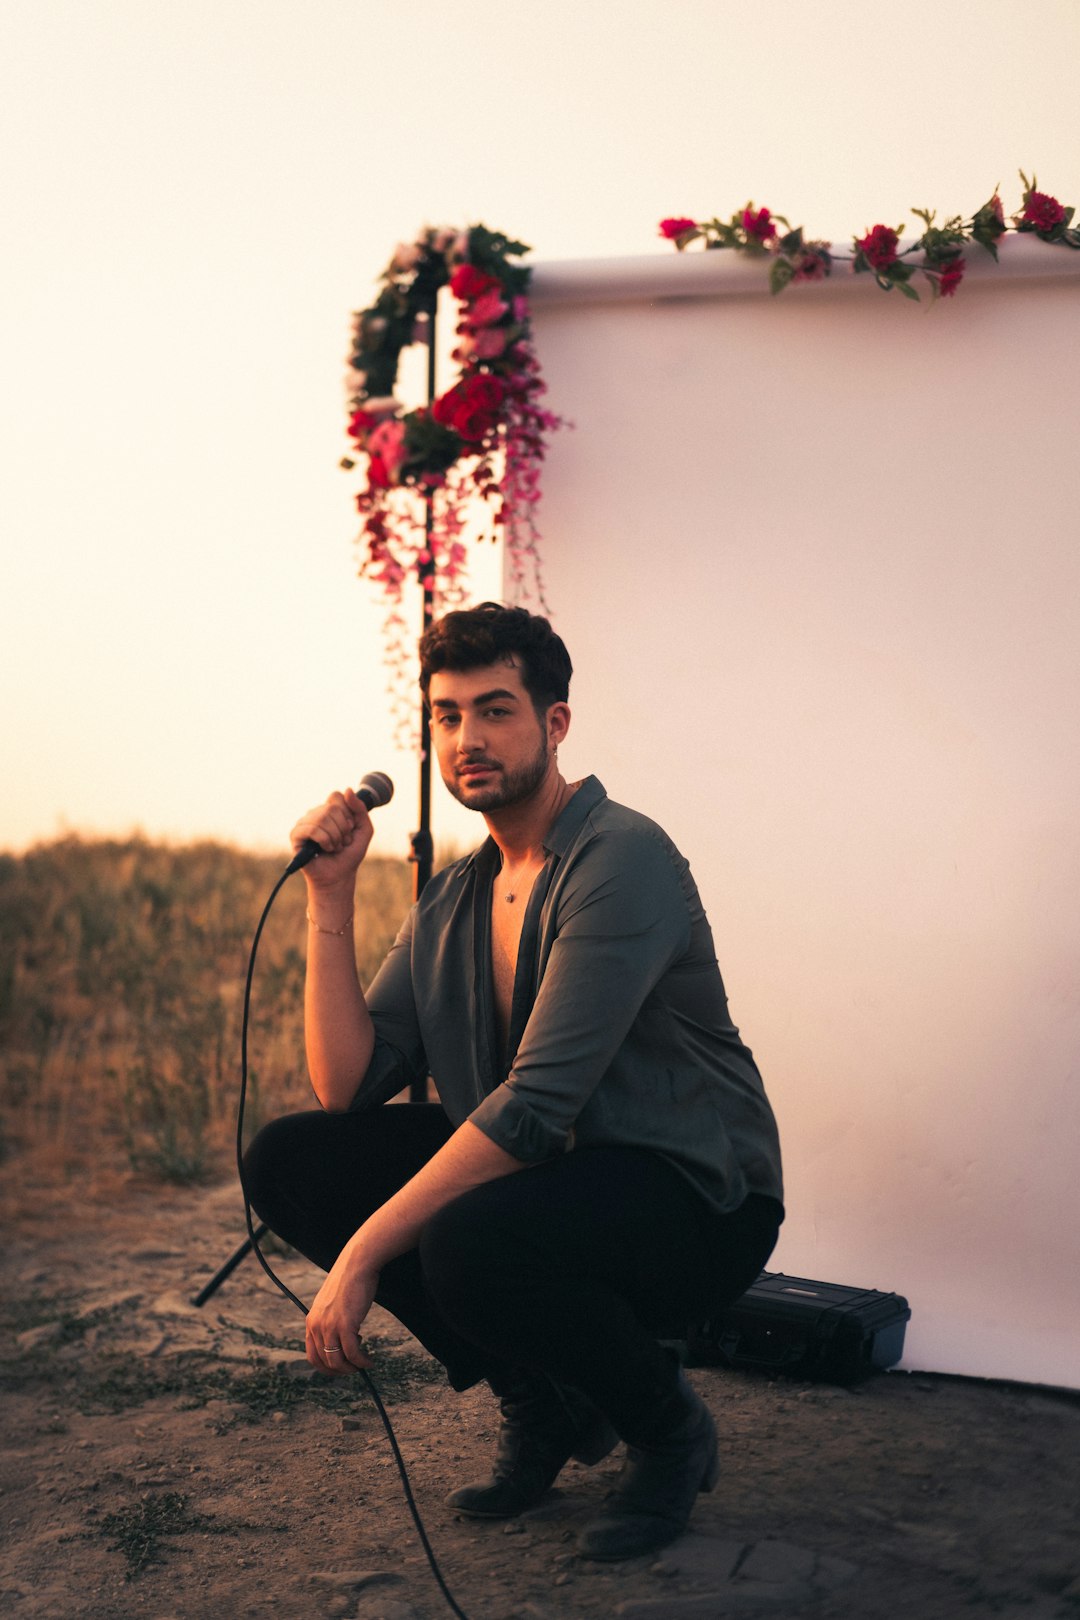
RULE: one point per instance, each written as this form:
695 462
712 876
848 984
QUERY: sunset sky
196 198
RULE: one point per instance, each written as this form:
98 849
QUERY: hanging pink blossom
487 309
489 343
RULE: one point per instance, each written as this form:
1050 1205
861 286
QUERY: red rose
446 406
759 226
471 406
378 477
878 247
952 274
360 422
467 282
1041 212
672 228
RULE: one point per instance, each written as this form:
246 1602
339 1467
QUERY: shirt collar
567 826
561 834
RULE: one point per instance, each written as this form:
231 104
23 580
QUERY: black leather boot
544 1425
659 1483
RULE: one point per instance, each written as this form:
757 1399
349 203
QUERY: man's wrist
323 928
362 1261
330 908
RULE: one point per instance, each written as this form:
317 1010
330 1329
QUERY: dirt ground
179 1464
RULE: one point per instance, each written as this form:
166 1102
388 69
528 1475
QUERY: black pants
572 1267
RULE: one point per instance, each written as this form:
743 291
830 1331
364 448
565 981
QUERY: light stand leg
229 1267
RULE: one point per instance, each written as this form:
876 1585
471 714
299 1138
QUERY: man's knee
279 1157
266 1160
463 1250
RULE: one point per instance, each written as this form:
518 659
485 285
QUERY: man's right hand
342 829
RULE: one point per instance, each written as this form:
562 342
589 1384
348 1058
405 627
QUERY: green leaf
908 290
780 274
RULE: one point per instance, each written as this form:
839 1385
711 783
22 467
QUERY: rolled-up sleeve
399 1056
621 921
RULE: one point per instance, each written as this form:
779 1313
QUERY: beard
510 787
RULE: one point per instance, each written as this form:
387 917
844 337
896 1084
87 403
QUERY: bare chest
507 919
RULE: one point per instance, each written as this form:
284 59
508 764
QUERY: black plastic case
804 1329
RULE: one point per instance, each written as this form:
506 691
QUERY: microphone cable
276 1280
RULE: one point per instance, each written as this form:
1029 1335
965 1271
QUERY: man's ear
558 723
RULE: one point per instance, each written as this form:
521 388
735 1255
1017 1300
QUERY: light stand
421 844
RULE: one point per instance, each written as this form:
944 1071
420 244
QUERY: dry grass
121 984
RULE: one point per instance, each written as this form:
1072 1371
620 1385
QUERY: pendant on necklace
510 898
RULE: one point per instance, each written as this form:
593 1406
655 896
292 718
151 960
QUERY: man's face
492 749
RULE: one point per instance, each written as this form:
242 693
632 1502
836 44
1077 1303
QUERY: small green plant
138 1531
255 1392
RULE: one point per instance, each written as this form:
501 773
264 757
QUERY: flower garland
484 436
795 258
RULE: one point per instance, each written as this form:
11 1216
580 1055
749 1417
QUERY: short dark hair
492 633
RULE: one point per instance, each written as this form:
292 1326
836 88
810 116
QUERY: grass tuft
138 1531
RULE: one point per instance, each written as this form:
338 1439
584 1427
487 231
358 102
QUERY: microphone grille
379 786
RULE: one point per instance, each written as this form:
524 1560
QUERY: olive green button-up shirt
619 1026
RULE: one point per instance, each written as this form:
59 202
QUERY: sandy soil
177 1464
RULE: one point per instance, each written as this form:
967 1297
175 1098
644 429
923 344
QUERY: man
604 1163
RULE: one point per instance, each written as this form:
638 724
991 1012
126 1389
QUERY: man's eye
497 712
447 720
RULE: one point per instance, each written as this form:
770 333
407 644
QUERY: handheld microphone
375 789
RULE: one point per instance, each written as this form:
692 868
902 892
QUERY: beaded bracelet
337 932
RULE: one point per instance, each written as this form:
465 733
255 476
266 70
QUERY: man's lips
465 771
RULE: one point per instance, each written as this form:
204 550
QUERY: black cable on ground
276 1280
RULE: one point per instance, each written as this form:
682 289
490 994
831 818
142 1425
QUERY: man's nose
470 735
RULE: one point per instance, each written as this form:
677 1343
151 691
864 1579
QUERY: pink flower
809 267
487 309
672 228
387 442
1041 211
952 274
468 283
995 206
758 226
878 247
489 342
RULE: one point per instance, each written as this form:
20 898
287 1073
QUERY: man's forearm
468 1160
338 1032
